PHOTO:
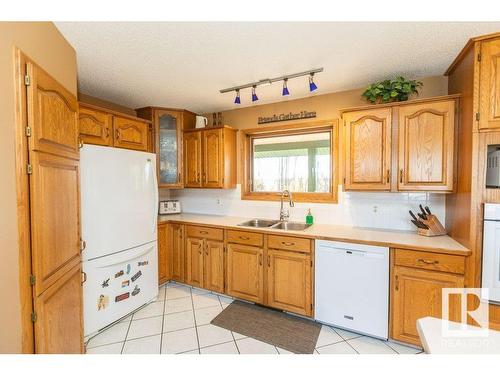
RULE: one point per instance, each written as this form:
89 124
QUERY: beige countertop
379 237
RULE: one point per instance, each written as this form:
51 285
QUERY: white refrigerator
119 208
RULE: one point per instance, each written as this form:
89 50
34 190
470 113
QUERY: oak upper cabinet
489 83
368 149
176 253
245 272
163 246
205 258
426 146
95 126
168 125
210 158
130 133
192 159
417 274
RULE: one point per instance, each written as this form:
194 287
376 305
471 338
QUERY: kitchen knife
413 215
419 224
423 211
422 216
428 210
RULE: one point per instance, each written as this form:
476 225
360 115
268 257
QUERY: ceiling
185 64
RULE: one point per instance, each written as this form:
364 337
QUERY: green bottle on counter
309 217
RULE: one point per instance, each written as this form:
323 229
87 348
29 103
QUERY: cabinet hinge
311 263
29 169
32 279
479 57
27 80
477 116
28 131
33 316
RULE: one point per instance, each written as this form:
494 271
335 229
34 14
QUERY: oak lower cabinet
289 281
205 258
163 246
176 253
245 272
416 290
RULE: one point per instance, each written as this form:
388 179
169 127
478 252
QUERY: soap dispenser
309 217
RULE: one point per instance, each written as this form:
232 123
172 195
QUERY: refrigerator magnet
136 290
128 268
121 297
143 263
136 276
125 283
118 274
105 283
102 302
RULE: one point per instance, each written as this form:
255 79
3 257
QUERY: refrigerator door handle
120 261
155 190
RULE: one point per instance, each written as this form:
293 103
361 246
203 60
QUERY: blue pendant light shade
312 85
254 95
237 99
285 88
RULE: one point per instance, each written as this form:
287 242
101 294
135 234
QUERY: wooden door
245 272
54 190
59 315
368 149
409 286
131 134
289 281
95 126
213 158
192 159
177 262
213 273
163 239
52 115
426 146
489 85
168 130
194 261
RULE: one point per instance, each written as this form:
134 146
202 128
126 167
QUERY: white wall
374 210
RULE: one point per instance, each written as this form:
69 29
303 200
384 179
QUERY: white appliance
119 207
493 167
201 122
171 206
352 287
491 253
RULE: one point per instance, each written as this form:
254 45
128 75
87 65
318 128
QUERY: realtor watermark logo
472 306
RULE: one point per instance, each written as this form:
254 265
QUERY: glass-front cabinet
169 148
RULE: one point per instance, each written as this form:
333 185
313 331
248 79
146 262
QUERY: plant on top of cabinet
391 90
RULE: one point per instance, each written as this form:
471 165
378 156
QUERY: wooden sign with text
287 117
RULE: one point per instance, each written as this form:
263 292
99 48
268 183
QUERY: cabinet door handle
199 248
401 175
269 261
388 175
107 132
117 132
424 261
260 259
204 177
198 177
84 274
288 243
396 279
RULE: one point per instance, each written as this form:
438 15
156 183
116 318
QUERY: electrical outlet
375 209
218 201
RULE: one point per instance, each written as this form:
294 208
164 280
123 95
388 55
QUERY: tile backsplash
360 209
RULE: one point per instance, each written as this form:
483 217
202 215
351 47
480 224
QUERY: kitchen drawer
204 232
302 245
245 238
430 261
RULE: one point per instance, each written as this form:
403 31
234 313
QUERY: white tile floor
179 322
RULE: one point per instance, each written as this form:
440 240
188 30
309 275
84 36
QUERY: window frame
291 129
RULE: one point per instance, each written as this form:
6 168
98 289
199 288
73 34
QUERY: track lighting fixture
269 81
254 95
285 88
312 85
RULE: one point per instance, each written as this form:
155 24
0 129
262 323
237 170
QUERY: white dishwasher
352 287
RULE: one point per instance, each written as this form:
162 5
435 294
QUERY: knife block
435 227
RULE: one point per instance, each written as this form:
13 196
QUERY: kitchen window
300 159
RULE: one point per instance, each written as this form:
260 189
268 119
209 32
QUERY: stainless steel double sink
275 224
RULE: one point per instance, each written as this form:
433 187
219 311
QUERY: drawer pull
428 261
244 238
203 232
287 243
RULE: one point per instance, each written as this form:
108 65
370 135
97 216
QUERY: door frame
23 203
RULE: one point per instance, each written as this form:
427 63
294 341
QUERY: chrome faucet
285 214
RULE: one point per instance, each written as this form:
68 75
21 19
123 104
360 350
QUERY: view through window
299 163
